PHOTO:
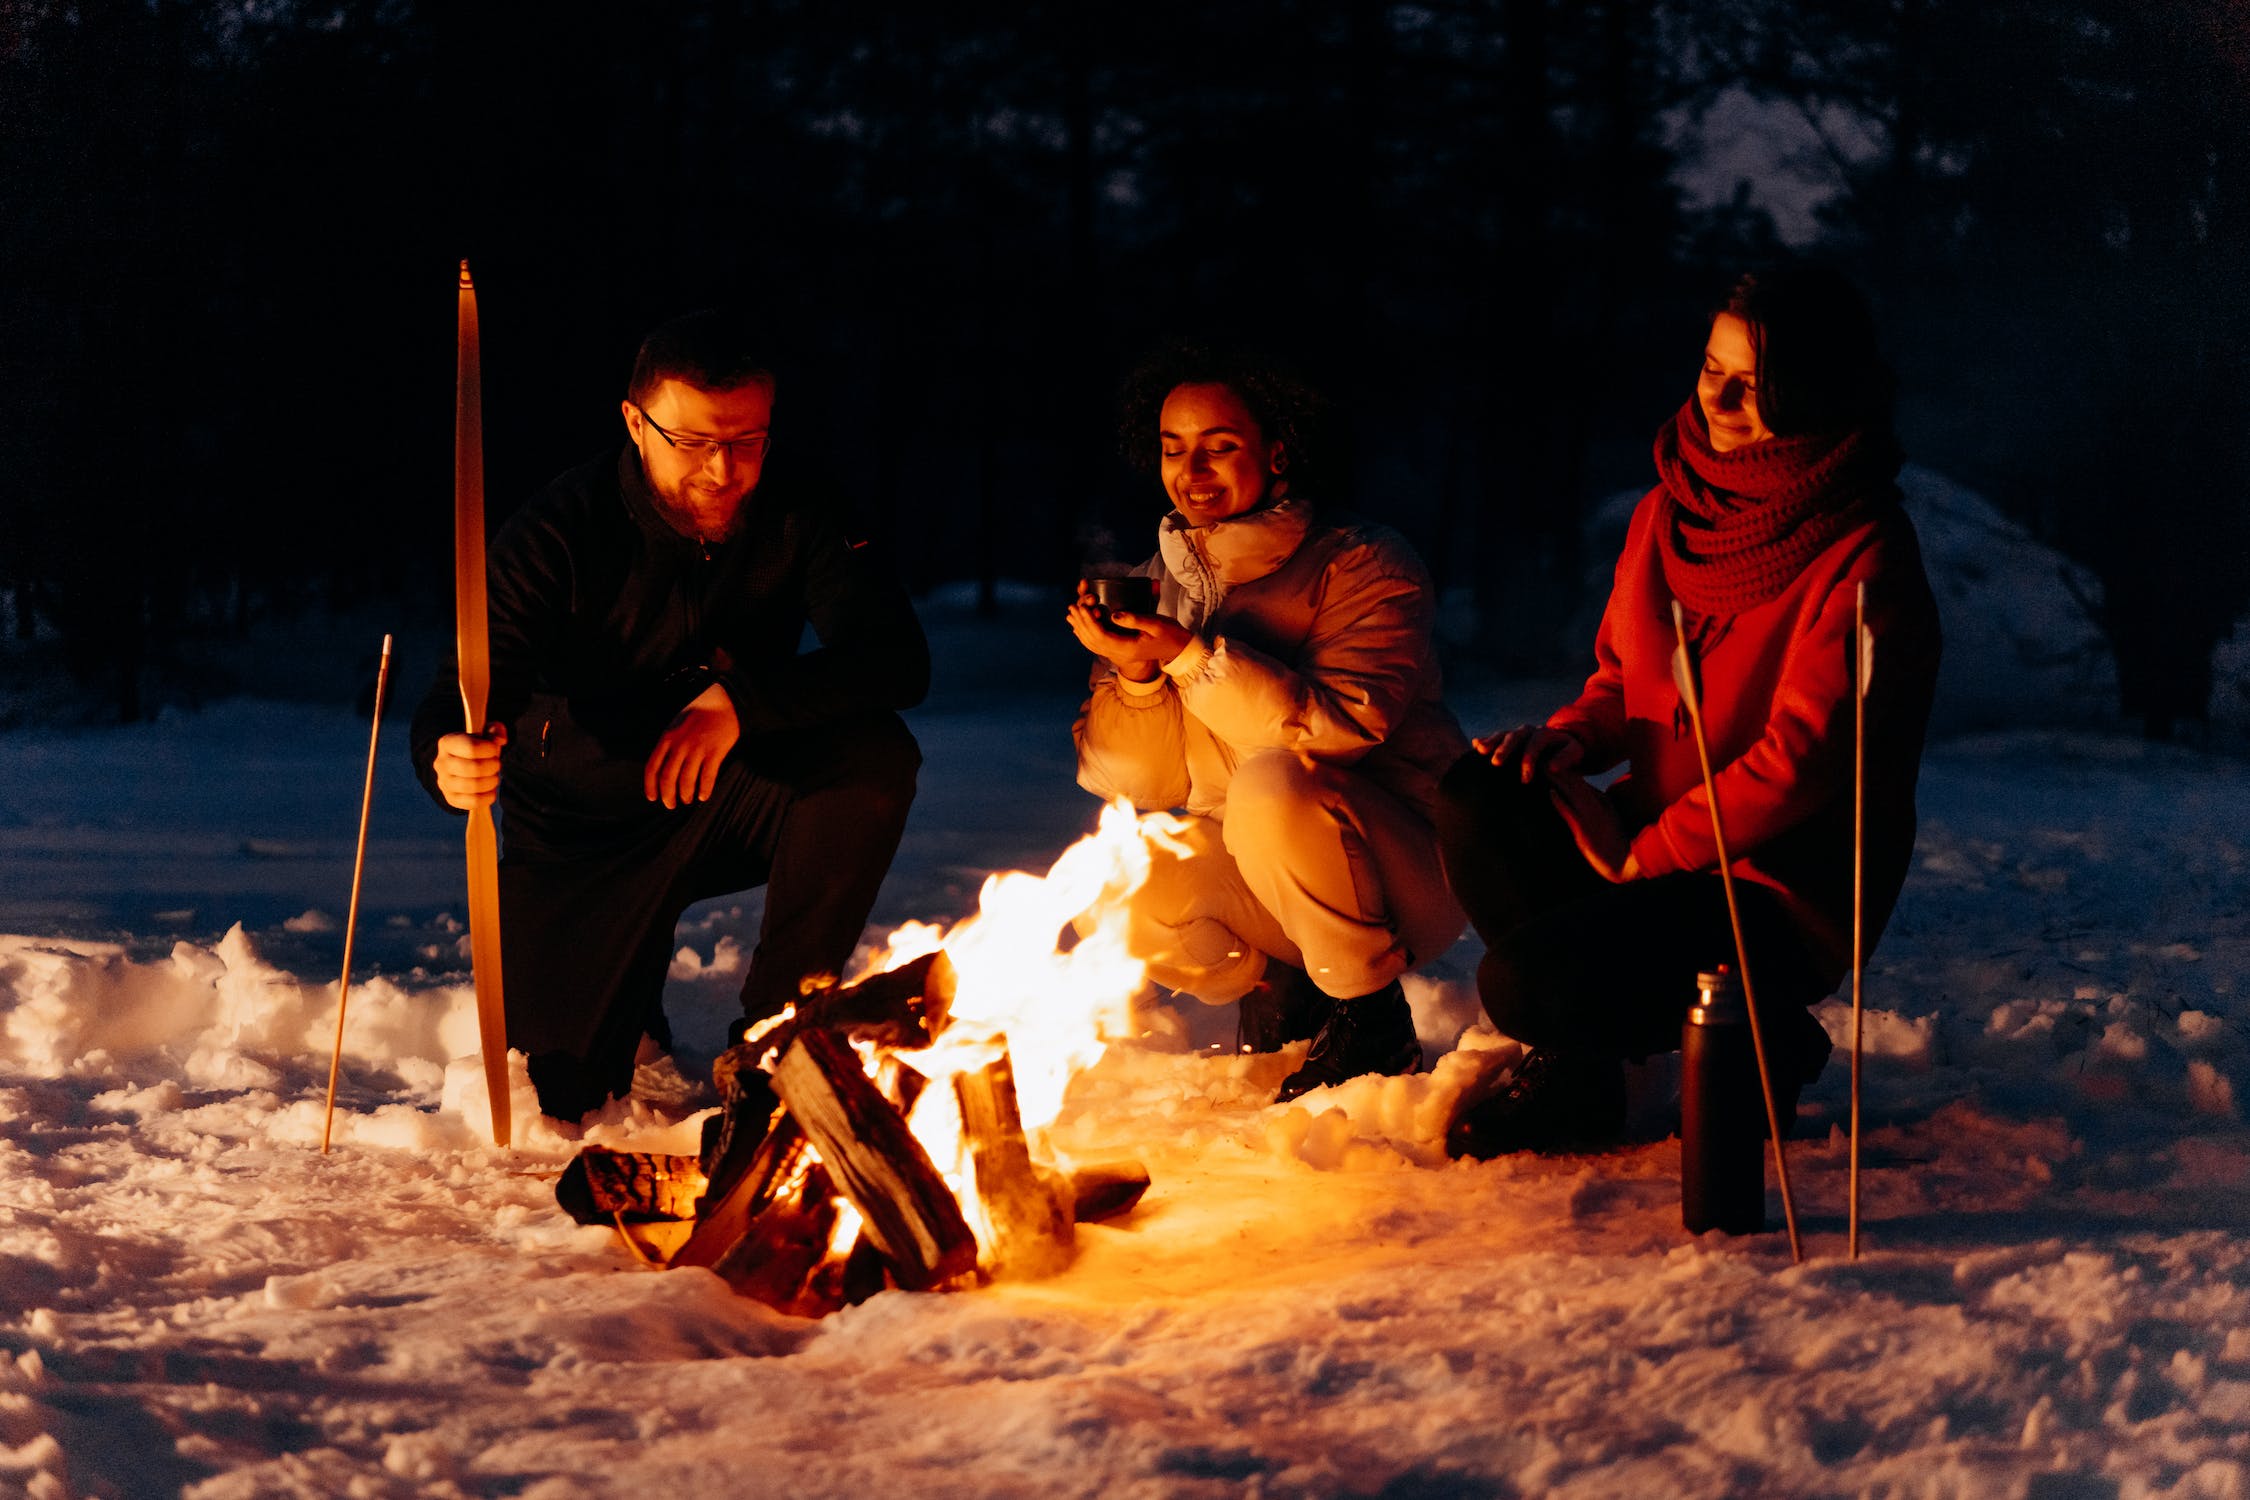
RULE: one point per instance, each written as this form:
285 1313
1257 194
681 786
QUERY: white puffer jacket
1309 637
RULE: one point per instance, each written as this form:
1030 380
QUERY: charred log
1106 1191
861 1137
747 1104
899 1083
779 1255
902 1008
601 1186
778 1162
843 1280
1030 1231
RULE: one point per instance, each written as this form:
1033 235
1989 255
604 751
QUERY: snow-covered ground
2055 1299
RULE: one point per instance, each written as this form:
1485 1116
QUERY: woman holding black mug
1284 694
1776 500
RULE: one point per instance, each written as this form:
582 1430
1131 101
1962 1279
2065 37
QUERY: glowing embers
892 1131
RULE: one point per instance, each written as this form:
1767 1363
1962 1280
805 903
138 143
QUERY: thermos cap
1719 1000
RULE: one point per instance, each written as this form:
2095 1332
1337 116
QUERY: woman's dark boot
1799 1056
1284 1006
1555 1102
1372 1034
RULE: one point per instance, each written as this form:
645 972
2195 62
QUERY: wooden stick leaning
474 651
1863 641
1683 677
351 913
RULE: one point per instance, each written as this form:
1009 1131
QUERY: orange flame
1056 1011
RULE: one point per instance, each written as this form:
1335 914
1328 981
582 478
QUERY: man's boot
1284 1006
568 1089
1372 1034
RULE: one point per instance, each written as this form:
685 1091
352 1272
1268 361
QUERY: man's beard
700 513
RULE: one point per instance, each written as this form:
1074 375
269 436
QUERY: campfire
892 1130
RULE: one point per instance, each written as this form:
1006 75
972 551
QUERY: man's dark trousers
590 898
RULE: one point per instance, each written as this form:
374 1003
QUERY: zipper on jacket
698 582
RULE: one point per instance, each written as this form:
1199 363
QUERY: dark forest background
228 235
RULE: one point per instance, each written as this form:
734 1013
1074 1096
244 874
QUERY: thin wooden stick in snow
1863 641
351 913
1683 677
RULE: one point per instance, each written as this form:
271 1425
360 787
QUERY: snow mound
2021 642
214 1017
2230 687
215 1043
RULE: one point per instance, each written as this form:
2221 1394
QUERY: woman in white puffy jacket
1285 696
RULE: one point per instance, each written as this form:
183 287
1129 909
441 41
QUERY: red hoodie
1777 706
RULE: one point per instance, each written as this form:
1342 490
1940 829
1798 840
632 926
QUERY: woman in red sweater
1776 497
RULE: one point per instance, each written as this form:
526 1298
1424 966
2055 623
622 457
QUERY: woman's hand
1594 826
1532 749
1138 645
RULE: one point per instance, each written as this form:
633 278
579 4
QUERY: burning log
902 1008
731 1138
1030 1232
783 1271
779 1252
899 1083
910 1213
724 1219
600 1186
844 1280
818 1192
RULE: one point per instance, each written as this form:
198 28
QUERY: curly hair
1283 405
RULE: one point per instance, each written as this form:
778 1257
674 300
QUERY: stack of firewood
804 1132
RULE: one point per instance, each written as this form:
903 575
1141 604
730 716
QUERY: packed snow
2054 1299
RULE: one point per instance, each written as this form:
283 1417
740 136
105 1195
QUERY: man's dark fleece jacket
605 621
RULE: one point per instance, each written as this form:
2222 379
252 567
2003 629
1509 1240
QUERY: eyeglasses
700 449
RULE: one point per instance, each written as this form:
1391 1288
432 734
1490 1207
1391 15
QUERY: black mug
1134 593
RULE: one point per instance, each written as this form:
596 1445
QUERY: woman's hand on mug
1138 644
1533 750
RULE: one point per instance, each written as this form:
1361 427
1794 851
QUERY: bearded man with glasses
657 736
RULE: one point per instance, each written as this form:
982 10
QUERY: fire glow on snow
1309 1301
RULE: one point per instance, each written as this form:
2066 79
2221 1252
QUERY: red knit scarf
1737 528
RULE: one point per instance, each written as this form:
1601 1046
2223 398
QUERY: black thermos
1722 1113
